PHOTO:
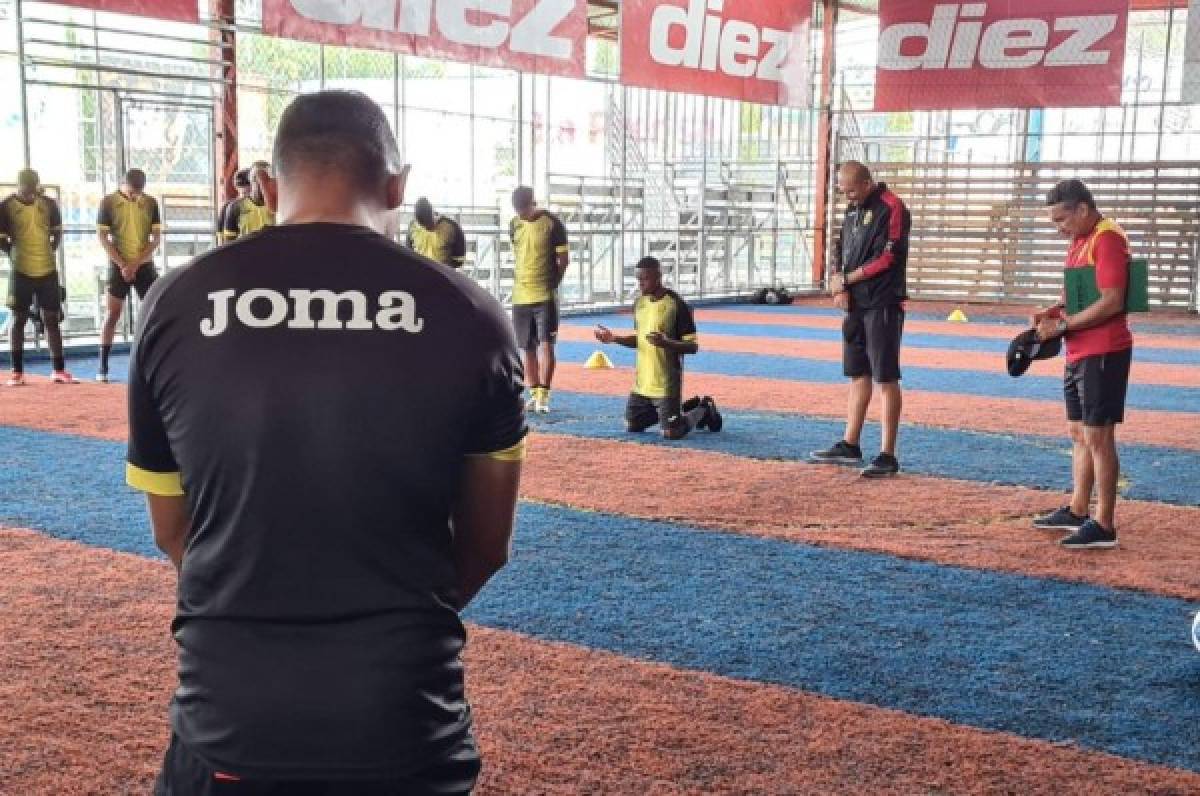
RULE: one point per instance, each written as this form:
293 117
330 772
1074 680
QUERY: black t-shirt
319 454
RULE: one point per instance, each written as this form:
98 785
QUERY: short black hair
1071 193
650 262
522 197
423 210
342 131
136 179
242 178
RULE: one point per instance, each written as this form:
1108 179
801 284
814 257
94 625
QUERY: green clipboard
1081 290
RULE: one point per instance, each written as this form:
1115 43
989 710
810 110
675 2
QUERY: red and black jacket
875 238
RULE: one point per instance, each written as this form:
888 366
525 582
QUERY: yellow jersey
659 372
536 246
29 228
245 216
445 243
130 222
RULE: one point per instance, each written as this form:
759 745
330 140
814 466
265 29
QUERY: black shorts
535 323
142 280
871 343
1095 388
184 774
22 290
641 413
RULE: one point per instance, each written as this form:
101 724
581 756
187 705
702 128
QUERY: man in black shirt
870 286
330 435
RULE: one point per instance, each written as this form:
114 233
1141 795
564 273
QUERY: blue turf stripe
1155 473
1016 320
950 381
1109 669
1168 356
1166 475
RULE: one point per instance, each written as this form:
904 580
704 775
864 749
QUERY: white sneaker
531 405
63 377
16 379
542 407
102 377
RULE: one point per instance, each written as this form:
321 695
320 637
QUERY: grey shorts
535 323
641 412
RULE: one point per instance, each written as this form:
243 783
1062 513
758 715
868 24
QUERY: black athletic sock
18 359
105 350
60 363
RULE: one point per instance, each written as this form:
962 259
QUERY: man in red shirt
1099 352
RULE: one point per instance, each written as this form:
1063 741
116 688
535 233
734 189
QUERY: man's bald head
855 180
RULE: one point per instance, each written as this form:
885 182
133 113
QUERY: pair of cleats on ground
1086 533
712 420
884 465
16 379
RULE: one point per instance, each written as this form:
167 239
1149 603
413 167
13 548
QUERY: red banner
178 10
742 49
546 36
1000 54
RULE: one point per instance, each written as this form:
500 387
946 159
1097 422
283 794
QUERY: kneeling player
664 333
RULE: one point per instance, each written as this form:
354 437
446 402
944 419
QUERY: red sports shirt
1107 248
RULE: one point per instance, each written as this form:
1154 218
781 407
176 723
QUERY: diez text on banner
178 10
547 36
1000 54
742 49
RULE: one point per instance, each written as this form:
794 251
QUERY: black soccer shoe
1060 520
712 418
1091 536
841 453
882 466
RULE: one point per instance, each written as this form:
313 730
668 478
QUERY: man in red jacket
1099 353
869 285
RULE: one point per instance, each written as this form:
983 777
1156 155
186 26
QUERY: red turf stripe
958 523
937 358
977 413
96 410
552 718
973 329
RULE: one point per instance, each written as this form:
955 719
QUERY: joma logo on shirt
262 308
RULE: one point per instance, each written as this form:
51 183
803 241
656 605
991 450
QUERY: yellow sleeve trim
562 249
690 338
103 227
161 484
514 454
156 226
229 235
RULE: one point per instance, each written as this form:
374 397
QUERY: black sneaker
1090 536
712 419
841 453
882 466
1059 520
